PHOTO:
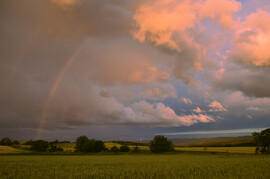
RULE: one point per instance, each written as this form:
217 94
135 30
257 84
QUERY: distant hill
216 142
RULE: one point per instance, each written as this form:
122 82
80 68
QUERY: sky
128 70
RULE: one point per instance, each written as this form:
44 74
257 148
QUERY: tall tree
263 140
160 144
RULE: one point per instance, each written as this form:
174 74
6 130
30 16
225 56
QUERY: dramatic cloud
176 25
165 116
252 40
220 11
67 64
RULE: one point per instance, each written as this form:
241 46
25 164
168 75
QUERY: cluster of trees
7 141
263 141
44 146
83 144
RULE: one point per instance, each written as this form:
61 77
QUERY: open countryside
138 161
134 89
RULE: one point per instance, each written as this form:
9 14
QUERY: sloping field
10 150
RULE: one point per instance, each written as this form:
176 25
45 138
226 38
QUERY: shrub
124 148
53 148
114 149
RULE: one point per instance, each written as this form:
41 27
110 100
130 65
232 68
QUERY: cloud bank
140 59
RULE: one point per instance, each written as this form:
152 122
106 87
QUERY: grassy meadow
182 165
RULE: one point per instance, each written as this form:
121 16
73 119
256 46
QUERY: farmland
182 165
184 162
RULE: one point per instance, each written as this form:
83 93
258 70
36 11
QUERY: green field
182 165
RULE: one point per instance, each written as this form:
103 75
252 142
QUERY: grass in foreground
136 166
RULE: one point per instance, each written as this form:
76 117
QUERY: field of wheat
183 165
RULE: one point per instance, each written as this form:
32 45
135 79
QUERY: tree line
159 144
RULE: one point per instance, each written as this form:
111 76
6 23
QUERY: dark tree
124 148
6 141
160 144
263 141
89 146
114 149
81 144
99 146
40 146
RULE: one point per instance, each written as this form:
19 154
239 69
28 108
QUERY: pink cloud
162 92
197 110
215 106
150 74
220 11
252 40
160 115
162 18
186 100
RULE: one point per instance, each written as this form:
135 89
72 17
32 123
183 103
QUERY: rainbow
56 84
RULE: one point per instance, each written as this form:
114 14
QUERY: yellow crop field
181 165
245 150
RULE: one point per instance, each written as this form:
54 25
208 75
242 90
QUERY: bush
53 148
6 141
114 149
124 148
160 144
